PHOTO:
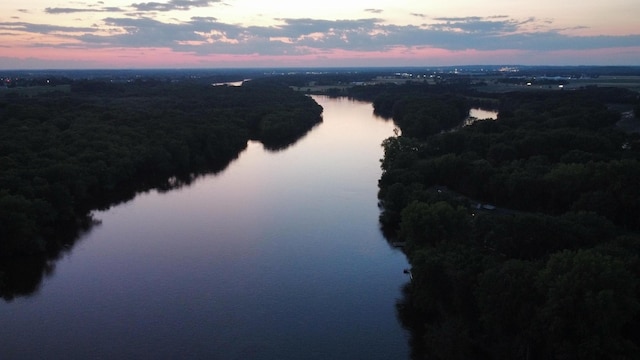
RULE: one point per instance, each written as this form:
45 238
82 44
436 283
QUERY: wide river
279 256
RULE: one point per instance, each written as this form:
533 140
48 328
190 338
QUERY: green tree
591 299
508 301
428 224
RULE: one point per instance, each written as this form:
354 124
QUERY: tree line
63 154
523 233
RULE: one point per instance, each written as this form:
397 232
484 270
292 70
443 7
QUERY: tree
428 224
590 300
508 301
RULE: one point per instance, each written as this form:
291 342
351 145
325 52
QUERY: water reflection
279 256
478 114
23 275
231 83
286 143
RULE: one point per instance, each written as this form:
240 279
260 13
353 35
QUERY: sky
108 34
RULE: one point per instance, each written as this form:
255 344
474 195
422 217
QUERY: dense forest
523 233
64 153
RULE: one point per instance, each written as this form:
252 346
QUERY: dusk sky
46 34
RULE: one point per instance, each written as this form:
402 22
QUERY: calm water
277 257
483 114
477 114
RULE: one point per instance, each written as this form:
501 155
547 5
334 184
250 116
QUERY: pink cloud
52 57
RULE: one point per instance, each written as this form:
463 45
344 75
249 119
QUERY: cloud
299 27
42 28
374 11
479 25
173 5
295 36
78 10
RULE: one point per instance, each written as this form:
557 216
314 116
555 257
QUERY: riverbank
497 283
278 256
66 153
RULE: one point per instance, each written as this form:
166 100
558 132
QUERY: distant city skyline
44 34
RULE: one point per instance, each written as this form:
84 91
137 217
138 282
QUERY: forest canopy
522 233
64 153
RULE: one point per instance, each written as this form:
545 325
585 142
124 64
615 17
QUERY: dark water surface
277 257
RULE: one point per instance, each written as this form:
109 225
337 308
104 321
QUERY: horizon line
320 67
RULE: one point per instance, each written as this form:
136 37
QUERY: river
279 256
